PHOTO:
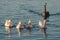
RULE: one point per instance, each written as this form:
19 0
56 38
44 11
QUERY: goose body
29 23
8 23
42 24
19 25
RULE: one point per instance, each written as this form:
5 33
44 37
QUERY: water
23 10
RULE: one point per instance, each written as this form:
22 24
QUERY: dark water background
23 10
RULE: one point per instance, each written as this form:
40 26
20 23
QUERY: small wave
53 25
3 33
40 14
34 12
55 14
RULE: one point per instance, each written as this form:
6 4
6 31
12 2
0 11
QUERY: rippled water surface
23 10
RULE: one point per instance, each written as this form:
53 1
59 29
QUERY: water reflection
45 33
19 32
29 32
9 37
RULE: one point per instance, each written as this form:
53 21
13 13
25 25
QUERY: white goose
19 25
8 25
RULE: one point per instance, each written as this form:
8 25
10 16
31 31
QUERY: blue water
23 10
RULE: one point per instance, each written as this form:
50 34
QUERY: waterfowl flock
20 26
